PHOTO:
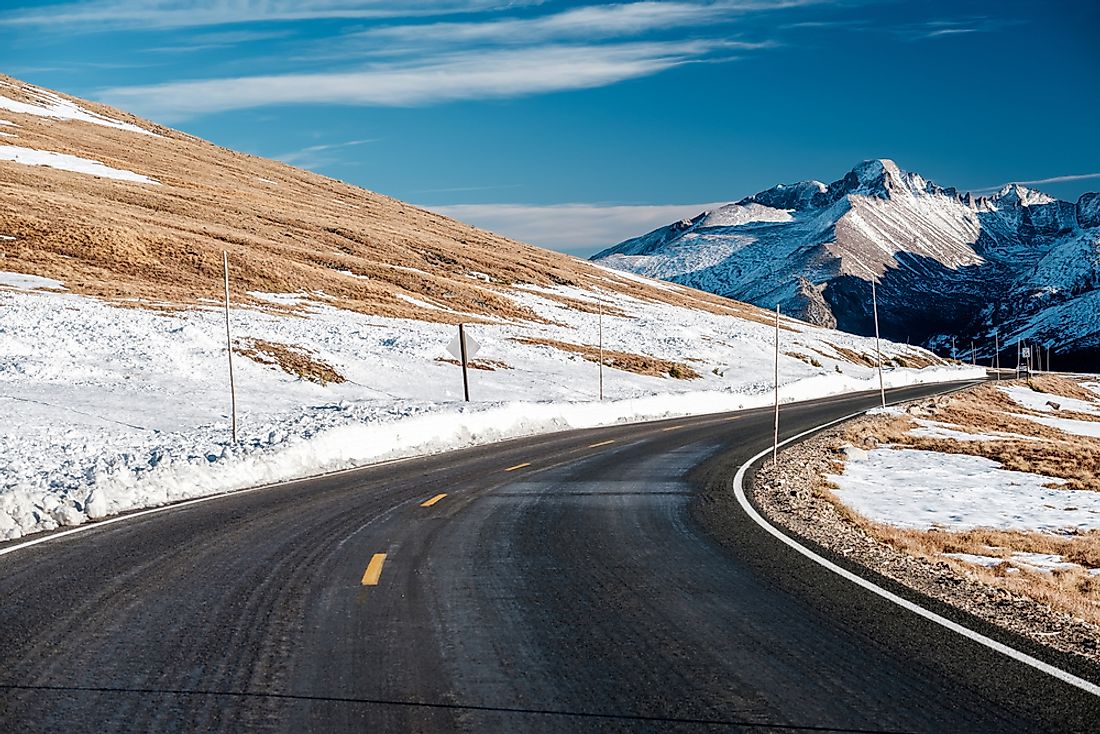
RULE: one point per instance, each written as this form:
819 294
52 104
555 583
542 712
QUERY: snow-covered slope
113 360
946 264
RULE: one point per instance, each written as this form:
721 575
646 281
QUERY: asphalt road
576 592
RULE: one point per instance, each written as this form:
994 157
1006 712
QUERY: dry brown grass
856 357
628 361
489 365
1046 451
1058 385
984 409
292 360
163 244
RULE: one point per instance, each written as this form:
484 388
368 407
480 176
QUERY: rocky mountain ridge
949 265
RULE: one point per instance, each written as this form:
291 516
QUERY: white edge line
739 490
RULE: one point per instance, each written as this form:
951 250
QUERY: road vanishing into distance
560 583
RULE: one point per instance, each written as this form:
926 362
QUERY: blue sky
574 124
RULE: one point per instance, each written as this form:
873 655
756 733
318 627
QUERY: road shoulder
791 498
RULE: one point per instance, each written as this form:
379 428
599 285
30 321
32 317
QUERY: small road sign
455 347
1025 352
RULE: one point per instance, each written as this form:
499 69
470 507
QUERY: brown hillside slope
286 230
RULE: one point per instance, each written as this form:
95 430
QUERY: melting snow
66 162
1036 400
23 282
925 489
125 408
51 105
1067 425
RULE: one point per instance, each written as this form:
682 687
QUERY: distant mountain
946 264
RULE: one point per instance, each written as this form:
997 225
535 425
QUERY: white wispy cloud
588 22
1068 178
415 63
580 229
315 156
951 27
92 15
474 74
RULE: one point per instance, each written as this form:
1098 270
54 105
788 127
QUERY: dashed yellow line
601 443
433 500
518 466
374 570
672 428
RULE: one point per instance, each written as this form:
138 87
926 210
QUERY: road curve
560 583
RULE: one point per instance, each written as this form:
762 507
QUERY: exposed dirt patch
628 361
292 360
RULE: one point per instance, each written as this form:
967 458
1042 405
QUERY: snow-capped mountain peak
1019 261
1017 195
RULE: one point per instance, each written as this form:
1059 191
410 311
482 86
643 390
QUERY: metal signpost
775 442
878 347
601 349
464 348
229 348
997 355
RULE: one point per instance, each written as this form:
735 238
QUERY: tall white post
601 348
775 438
997 354
878 346
229 350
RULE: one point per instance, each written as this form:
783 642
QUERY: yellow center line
601 443
518 466
672 428
374 570
433 500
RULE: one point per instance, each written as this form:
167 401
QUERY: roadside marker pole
229 350
775 441
601 348
462 346
878 347
973 357
997 355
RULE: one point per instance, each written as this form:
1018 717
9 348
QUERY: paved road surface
574 593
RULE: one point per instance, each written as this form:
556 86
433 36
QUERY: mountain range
951 268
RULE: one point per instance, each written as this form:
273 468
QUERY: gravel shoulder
794 496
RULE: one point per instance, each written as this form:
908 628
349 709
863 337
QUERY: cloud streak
93 15
579 229
447 78
314 156
589 22
1069 178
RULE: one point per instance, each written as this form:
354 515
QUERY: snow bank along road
555 583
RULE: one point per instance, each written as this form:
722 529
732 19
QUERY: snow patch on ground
917 489
51 105
66 162
122 408
1035 400
1046 563
24 282
1066 425
938 429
